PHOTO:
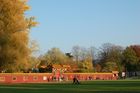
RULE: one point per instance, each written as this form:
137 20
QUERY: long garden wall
50 77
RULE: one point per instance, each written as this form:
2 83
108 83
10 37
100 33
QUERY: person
123 75
75 80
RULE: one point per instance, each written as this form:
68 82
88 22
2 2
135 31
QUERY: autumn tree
34 47
136 48
55 56
111 55
14 39
84 58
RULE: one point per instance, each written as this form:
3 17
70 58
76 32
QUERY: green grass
120 86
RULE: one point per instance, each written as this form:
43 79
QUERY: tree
55 56
130 59
34 47
97 67
109 67
136 48
83 58
76 52
14 31
111 55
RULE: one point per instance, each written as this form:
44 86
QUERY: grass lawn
120 86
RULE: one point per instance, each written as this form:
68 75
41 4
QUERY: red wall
91 76
25 77
47 77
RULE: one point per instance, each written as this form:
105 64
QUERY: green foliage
130 59
55 56
109 67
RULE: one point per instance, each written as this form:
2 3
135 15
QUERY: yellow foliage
14 49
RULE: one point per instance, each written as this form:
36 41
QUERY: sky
67 23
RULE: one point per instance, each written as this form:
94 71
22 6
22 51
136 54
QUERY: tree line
107 58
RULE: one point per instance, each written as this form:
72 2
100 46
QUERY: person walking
75 80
